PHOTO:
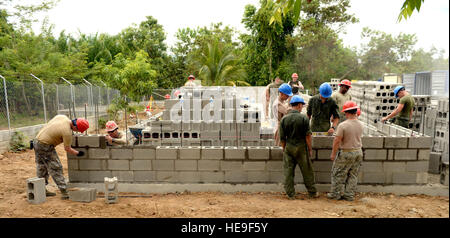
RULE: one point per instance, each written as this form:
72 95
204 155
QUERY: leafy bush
17 142
102 123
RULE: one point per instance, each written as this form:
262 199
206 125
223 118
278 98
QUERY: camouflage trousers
292 156
48 163
404 122
344 173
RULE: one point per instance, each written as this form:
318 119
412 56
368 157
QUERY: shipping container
422 85
408 81
433 83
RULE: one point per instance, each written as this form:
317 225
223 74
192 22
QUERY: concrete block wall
387 160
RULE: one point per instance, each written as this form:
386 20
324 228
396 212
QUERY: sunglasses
110 132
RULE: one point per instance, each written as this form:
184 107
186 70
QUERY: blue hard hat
286 89
397 89
297 99
325 90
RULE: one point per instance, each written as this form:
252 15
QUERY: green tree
408 8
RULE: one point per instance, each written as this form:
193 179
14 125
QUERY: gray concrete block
185 165
167 176
274 165
407 154
434 163
91 141
236 176
444 174
375 154
190 152
166 165
78 176
258 153
422 178
74 141
372 142
123 176
118 164
417 166
82 194
144 153
166 152
36 190
140 165
372 167
373 178
276 177
91 164
121 153
212 152
231 165
212 177
276 153
322 177
98 176
390 153
298 176
258 176
323 154
394 166
144 176
189 177
254 165
404 177
72 164
424 154
322 166
95 153
422 142
85 156
208 165
322 142
396 142
235 153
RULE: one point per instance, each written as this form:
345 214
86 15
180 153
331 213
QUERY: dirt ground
15 168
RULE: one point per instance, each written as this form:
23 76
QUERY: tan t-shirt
56 131
121 139
341 99
351 132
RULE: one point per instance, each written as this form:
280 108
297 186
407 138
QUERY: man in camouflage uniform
347 161
295 136
321 108
271 94
57 131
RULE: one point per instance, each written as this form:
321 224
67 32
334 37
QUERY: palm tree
219 66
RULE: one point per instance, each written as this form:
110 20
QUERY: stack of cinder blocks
441 137
335 84
387 160
421 103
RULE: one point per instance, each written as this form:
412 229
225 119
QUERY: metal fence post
43 96
7 107
107 92
57 98
72 96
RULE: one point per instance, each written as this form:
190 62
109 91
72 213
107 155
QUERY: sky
431 24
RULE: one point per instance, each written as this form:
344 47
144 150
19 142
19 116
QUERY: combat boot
64 194
313 195
333 196
49 194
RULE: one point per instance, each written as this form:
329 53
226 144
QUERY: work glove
80 153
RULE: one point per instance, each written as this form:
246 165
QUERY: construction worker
342 96
404 108
295 84
295 137
271 94
280 108
115 137
190 82
321 108
346 162
58 130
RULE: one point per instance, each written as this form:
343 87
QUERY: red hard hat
294 75
111 126
349 105
82 124
358 112
346 82
191 77
167 96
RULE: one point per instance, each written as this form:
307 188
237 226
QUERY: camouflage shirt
321 113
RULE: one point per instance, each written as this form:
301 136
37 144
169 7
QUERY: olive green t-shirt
56 131
321 113
408 105
294 127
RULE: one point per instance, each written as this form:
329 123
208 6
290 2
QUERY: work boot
291 197
313 195
49 194
333 196
347 198
64 194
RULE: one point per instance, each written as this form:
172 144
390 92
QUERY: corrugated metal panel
408 82
423 83
439 83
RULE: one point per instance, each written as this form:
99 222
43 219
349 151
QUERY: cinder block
276 153
98 176
118 164
276 177
323 177
74 141
208 165
189 177
91 141
166 152
254 165
434 163
163 165
424 154
91 164
422 142
407 154
375 154
394 166
372 167
212 177
396 142
167 176
140 165
235 153
323 154
144 176
373 178
98 153
422 178
190 152
322 142
390 153
236 176
78 176
444 174
274 165
372 142
72 164
212 152
121 153
144 153
231 165
258 153
322 166
417 166
258 176
82 194
404 177
85 156
36 190
185 165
